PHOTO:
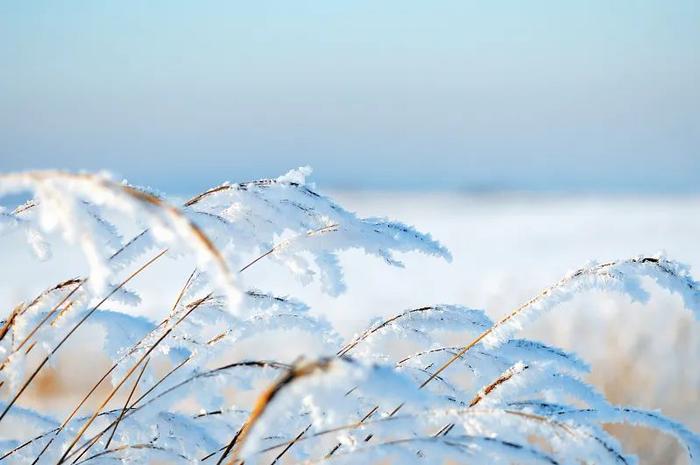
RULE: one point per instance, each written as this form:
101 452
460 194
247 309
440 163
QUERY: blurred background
457 95
529 137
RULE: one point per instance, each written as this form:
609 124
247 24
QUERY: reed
197 387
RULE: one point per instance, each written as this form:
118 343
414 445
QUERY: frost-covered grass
229 371
506 246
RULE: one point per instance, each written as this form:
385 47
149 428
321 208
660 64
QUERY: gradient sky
538 95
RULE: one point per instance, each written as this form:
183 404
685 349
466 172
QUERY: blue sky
554 96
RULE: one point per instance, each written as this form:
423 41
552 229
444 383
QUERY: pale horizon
457 96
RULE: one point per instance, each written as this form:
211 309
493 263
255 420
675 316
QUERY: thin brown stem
73 330
126 404
264 400
128 374
43 320
281 245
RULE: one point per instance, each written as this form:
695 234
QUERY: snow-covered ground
506 247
